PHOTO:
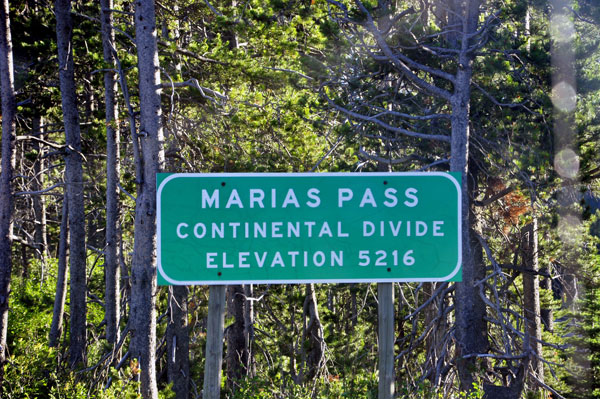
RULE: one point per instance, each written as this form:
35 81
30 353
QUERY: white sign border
303 281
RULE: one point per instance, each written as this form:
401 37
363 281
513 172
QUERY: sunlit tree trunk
56 327
314 344
8 164
178 340
74 182
237 347
111 265
39 203
470 307
150 140
531 299
249 329
178 359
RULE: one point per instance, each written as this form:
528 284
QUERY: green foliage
333 387
31 304
29 372
582 325
33 369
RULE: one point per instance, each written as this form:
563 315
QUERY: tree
58 312
470 308
74 182
531 298
401 69
9 116
178 350
149 140
111 263
39 203
238 347
313 344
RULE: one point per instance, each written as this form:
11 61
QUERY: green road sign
308 227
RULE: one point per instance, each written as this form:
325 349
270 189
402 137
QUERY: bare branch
126 192
525 270
188 53
492 356
333 147
401 61
213 9
435 163
546 387
384 112
340 6
438 291
582 18
388 127
193 83
40 192
416 65
39 140
93 19
386 161
290 71
495 197
498 103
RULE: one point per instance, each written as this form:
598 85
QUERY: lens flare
564 97
566 163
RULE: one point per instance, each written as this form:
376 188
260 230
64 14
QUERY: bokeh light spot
566 163
564 97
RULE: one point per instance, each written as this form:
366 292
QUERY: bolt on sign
308 228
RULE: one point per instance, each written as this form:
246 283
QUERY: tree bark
439 324
547 314
249 329
9 109
531 300
149 139
178 366
470 307
237 345
61 278
39 203
314 350
111 261
74 182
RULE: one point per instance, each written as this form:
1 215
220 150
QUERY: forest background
97 97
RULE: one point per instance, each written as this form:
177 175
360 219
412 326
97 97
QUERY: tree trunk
74 182
9 109
39 203
439 324
237 345
150 138
111 262
470 307
547 314
249 329
531 299
61 278
314 348
353 306
178 366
